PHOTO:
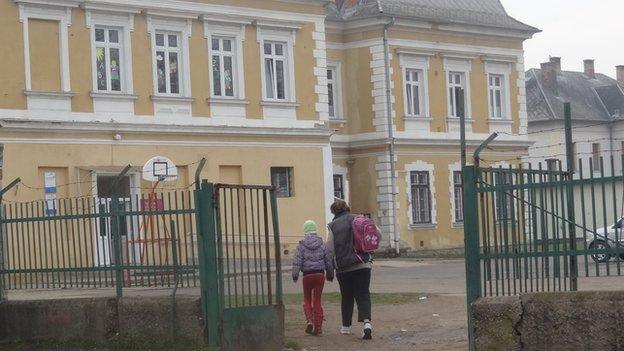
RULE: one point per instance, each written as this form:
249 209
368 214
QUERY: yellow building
440 60
291 92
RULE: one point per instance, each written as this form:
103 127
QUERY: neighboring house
447 58
597 103
287 92
89 86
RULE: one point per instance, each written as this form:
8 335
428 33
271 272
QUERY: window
496 88
275 70
414 89
552 164
595 157
281 179
503 197
339 186
574 157
458 196
168 62
223 67
457 94
333 90
421 197
108 58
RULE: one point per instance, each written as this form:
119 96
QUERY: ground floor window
421 197
458 196
339 186
281 179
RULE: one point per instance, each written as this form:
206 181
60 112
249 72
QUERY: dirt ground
437 323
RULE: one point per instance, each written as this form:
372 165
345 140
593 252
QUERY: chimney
556 62
549 75
620 73
588 66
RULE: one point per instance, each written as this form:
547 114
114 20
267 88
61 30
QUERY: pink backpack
365 235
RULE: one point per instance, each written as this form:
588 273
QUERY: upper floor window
420 197
457 94
275 70
414 92
108 59
333 92
168 62
496 89
223 67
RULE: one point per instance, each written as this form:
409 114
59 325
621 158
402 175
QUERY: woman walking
353 270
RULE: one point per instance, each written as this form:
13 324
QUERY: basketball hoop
160 169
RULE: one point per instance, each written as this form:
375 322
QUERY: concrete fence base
127 322
550 321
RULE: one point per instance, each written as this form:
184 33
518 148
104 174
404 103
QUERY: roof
593 99
489 13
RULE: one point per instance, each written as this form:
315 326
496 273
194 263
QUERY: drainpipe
393 213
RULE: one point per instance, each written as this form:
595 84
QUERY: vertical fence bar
116 237
278 253
570 190
471 243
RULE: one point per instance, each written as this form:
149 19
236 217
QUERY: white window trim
344 172
235 31
176 25
454 167
287 35
420 63
61 12
503 69
458 66
124 21
421 166
336 66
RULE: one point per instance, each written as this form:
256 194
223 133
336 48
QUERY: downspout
391 145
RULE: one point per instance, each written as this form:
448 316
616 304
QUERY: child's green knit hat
309 227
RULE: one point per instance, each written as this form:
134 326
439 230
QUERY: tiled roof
490 13
595 99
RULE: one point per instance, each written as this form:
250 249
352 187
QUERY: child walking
313 259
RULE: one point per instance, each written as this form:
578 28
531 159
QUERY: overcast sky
574 30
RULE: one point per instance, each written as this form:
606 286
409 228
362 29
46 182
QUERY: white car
605 239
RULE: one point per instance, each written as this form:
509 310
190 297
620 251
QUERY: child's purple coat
312 255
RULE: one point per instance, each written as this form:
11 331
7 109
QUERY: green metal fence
90 242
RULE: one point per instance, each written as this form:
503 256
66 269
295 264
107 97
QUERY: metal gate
240 247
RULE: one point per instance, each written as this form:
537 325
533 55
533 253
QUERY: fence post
278 253
471 243
209 283
116 237
567 110
3 257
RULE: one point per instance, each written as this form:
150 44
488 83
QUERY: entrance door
106 190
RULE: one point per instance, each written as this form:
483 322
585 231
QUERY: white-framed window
457 94
334 86
109 59
339 191
168 62
414 93
276 70
341 182
224 67
497 95
458 197
421 197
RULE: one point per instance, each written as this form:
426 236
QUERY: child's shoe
309 329
318 331
367 331
345 330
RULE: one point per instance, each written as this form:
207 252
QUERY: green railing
90 242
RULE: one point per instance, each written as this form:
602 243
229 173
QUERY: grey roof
594 99
489 13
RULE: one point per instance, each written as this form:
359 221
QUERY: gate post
116 237
207 250
567 110
471 243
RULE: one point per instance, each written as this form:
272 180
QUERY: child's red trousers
312 294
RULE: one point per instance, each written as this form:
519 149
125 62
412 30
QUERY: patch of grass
376 298
116 343
292 344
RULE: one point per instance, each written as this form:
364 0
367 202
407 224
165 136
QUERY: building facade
401 76
288 92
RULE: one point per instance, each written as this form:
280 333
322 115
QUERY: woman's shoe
345 330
